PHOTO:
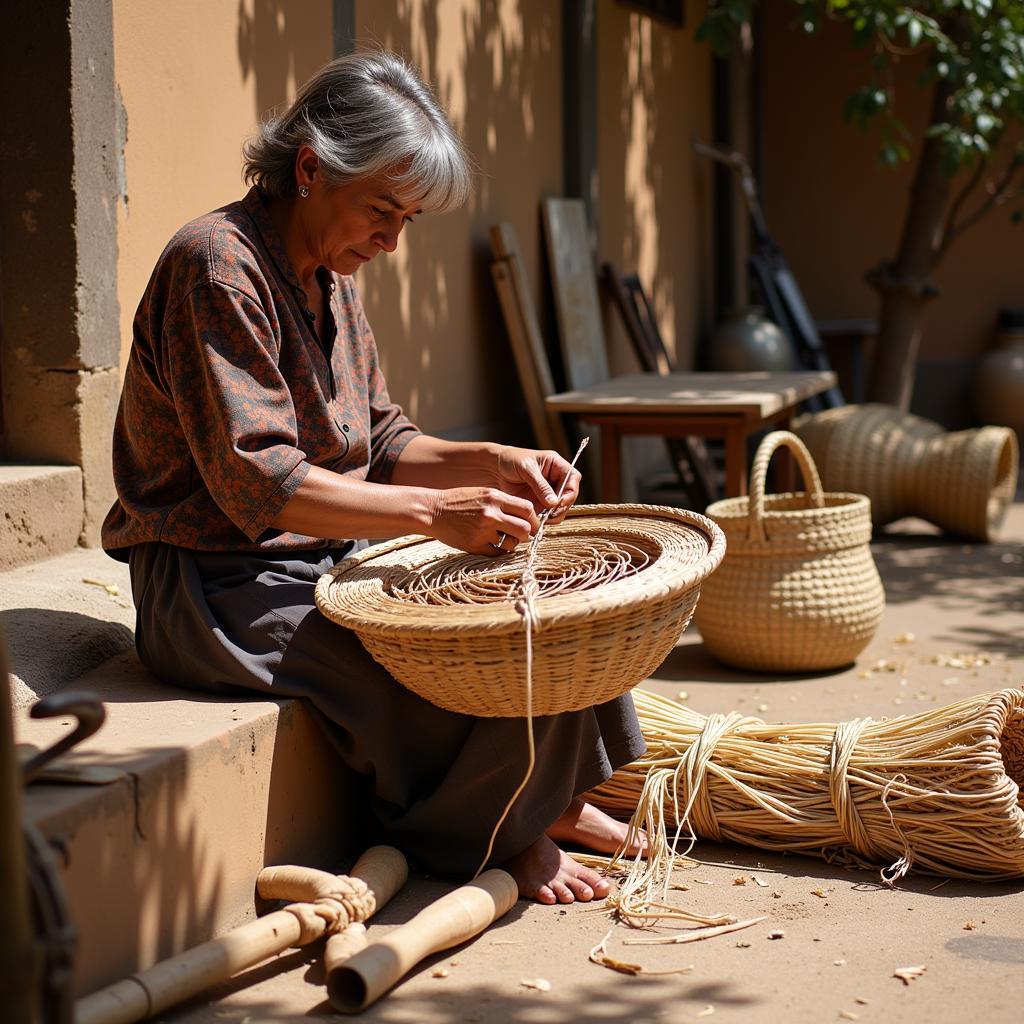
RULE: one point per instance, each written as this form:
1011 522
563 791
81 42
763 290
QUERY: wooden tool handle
452 919
382 868
170 982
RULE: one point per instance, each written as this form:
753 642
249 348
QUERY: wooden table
731 406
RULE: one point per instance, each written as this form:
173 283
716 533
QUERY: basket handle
765 450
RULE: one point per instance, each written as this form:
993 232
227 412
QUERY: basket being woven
798 590
617 585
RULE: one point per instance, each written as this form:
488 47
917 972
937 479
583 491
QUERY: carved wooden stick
450 920
382 868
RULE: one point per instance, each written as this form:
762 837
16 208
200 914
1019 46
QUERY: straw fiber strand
615 587
798 590
938 791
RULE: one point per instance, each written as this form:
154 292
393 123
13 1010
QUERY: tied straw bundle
938 791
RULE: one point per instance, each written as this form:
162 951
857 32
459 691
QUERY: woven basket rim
736 509
661 581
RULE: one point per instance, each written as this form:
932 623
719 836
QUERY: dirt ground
844 934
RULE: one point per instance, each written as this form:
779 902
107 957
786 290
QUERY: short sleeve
233 404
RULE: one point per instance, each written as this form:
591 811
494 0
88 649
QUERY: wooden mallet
325 901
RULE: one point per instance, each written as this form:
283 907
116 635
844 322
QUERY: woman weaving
255 440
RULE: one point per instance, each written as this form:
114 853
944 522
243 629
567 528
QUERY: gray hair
364 115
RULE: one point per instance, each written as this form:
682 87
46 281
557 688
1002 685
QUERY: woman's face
348 225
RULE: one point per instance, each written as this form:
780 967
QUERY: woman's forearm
330 504
432 462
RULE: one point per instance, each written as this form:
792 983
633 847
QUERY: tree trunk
906 284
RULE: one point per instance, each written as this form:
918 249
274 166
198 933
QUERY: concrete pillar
59 154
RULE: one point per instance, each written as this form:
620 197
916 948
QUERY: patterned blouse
229 396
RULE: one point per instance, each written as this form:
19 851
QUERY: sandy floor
844 934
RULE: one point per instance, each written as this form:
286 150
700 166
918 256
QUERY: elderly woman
255 441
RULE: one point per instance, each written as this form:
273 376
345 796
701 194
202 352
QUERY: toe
563 892
580 890
588 876
545 895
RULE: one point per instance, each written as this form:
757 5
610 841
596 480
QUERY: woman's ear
307 166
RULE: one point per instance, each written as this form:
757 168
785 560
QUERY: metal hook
87 709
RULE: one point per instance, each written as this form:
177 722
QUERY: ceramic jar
998 387
747 340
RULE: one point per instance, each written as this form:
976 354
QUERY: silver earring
303 191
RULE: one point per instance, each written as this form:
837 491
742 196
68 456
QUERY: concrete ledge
41 512
62 618
213 790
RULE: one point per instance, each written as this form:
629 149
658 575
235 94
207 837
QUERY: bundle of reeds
939 791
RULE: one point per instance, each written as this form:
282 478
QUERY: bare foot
588 826
546 874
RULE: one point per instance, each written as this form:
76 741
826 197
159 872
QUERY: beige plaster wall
655 207
194 77
836 213
496 67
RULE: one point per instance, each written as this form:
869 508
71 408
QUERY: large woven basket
798 590
591 643
962 482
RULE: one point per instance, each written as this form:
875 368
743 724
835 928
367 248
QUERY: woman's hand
537 477
475 519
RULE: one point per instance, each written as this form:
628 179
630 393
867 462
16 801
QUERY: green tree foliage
971 155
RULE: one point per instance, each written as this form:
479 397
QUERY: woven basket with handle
798 590
591 641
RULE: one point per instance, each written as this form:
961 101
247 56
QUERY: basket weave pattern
961 481
798 590
590 643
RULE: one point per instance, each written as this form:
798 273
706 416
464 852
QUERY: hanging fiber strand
939 792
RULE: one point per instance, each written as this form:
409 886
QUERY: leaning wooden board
525 337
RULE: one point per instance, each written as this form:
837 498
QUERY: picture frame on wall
672 12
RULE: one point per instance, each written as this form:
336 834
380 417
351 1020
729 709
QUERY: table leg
611 465
735 461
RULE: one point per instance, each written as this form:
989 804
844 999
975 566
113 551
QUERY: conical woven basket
592 640
962 482
798 590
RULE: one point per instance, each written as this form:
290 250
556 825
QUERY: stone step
62 617
211 790
41 512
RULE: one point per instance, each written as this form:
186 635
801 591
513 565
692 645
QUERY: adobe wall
836 213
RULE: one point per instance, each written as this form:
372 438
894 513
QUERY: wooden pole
19 964
450 920
170 982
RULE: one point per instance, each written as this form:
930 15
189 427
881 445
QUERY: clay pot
998 387
909 466
746 340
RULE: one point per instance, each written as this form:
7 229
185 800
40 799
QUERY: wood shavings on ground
908 974
838 963
848 1015
695 934
966 659
538 984
111 588
969 926
440 972
599 955
740 880
758 881
820 893
903 638
707 1011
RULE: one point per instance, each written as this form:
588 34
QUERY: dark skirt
220 622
